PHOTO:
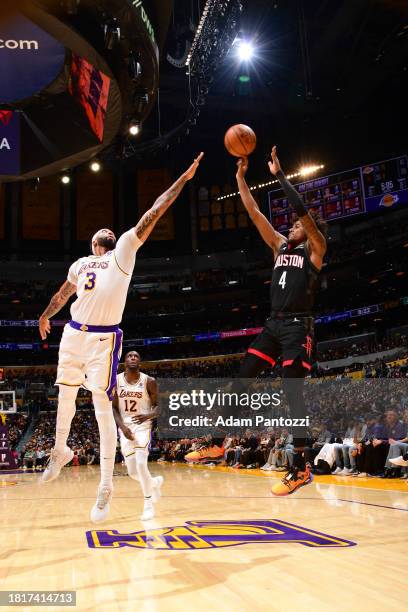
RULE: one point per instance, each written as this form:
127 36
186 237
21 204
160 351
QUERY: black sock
299 460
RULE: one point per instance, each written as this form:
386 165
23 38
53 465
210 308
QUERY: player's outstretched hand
274 165
127 432
193 168
242 164
45 327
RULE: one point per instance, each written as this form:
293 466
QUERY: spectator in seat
323 437
397 448
354 434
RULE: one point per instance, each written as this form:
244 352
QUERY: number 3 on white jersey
282 280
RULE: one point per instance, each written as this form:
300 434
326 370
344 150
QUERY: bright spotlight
95 166
134 128
65 179
305 170
245 51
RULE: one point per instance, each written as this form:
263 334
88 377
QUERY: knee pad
67 393
102 403
141 457
131 467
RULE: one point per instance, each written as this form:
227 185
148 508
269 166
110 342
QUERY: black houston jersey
294 281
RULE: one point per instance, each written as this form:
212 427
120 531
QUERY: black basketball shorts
288 338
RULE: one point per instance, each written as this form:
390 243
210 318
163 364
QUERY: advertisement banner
41 211
30 59
2 210
150 184
94 203
10 146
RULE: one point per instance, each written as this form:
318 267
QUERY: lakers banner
41 211
150 184
94 204
7 460
199 535
2 210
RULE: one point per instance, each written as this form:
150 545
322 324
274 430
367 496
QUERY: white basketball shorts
89 359
141 441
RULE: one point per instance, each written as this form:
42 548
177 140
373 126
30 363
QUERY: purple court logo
199 535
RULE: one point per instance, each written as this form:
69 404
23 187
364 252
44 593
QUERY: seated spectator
323 437
354 434
397 448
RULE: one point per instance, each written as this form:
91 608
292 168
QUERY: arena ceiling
326 82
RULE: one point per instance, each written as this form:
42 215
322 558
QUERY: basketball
240 140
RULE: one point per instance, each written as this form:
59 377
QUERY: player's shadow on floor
21 569
213 574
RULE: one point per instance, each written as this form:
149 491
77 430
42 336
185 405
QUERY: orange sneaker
292 481
205 454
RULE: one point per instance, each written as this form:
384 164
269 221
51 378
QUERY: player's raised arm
316 240
146 224
272 238
57 302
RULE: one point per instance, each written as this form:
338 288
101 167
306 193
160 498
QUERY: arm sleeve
290 192
72 276
125 251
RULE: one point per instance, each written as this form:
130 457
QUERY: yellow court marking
7 483
369 482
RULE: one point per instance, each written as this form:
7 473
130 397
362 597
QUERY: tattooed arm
315 239
57 302
146 224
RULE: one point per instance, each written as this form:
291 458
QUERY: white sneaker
55 464
157 485
337 471
148 510
345 472
399 461
265 467
100 510
362 475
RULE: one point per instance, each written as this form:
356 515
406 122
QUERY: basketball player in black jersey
288 332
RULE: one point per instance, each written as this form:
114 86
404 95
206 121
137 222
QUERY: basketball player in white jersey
134 408
91 343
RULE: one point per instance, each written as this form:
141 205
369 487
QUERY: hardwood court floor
357 558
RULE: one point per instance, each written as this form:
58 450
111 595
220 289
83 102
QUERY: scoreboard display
386 183
347 193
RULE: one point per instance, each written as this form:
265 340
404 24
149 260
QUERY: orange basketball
240 140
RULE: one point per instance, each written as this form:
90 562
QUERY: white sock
65 414
108 437
145 478
130 463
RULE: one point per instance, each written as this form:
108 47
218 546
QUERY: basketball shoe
157 485
148 510
292 481
402 460
55 464
100 509
205 454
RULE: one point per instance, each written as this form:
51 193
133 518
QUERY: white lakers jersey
102 283
133 400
